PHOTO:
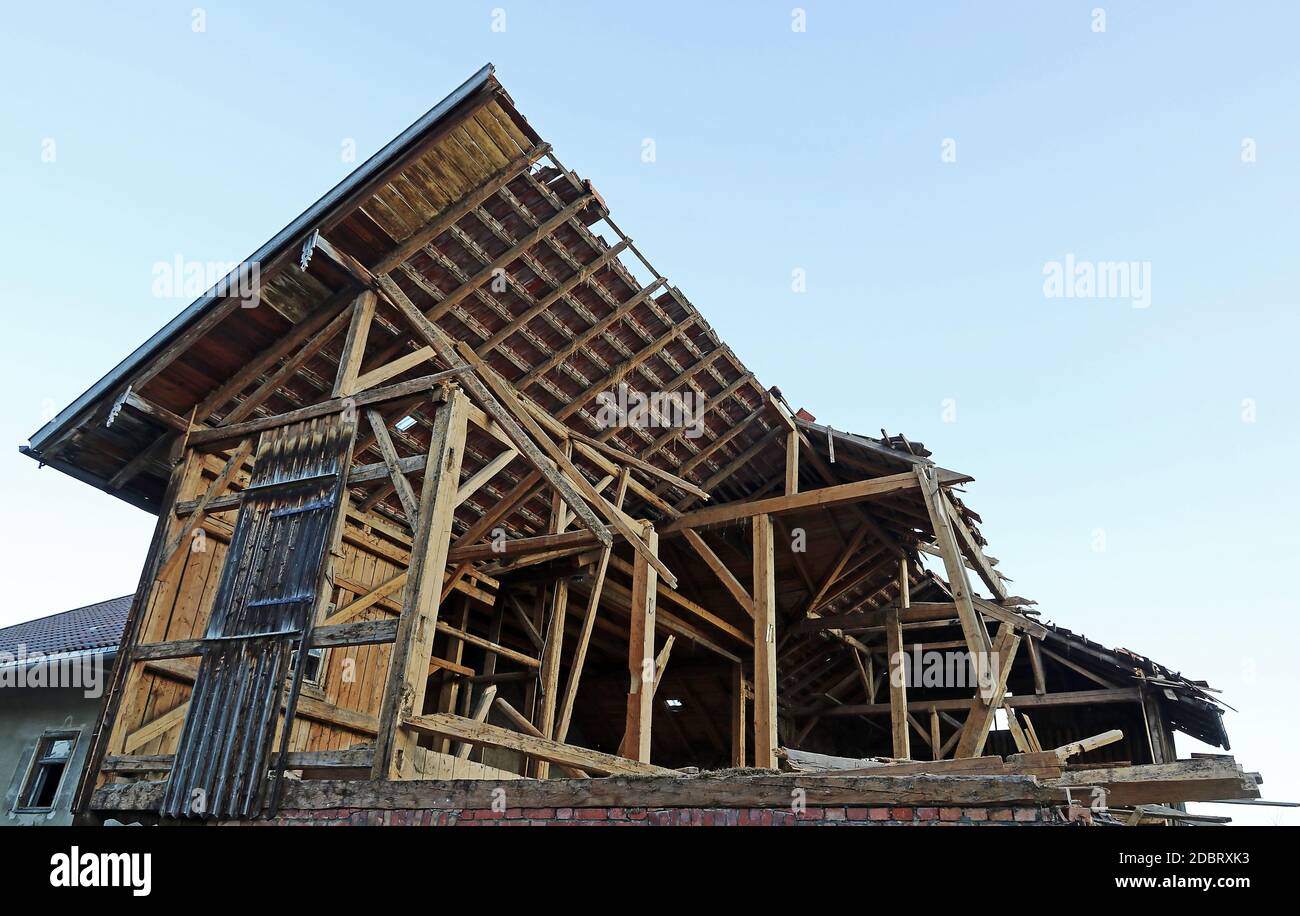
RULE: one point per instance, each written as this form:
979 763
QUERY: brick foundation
829 816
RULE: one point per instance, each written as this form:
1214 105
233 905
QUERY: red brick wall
642 817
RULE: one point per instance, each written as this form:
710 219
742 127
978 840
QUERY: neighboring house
53 672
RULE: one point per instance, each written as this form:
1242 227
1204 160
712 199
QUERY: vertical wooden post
551 666
764 594
408 670
792 462
936 742
739 719
898 667
641 653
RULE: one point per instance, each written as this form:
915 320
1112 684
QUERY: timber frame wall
515 586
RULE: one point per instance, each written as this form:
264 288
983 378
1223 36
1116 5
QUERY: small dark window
313 667
53 753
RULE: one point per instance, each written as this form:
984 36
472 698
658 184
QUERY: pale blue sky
776 150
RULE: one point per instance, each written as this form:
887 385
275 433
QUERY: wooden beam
976 730
741 690
354 345
641 657
765 613
898 670
809 499
409 665
405 494
977 636
588 624
724 575
791 462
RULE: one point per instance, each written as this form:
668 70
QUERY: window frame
34 764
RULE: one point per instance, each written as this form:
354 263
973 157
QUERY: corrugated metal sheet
268 589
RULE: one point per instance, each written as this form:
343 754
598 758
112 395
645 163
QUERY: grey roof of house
95 626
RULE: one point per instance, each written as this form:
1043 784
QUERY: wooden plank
180 544
484 735
521 723
765 614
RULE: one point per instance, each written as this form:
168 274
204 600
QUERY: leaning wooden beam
850 548
485 735
155 728
481 709
563 467
520 722
180 544
409 665
588 625
354 345
809 499
641 659
972 550
1066 751
405 494
724 575
500 414
972 627
976 730
765 613
484 474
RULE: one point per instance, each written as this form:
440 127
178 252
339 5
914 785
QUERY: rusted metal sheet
268 590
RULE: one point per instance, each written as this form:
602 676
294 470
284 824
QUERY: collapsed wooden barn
472 492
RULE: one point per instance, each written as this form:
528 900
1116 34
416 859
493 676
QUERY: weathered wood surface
631 791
